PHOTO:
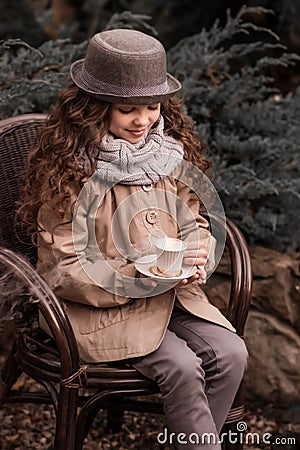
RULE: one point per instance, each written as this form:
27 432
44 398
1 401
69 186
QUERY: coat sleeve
192 225
72 265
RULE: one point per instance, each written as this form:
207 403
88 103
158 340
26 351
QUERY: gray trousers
198 367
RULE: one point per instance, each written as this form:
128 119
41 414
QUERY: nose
141 119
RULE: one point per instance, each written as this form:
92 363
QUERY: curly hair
70 137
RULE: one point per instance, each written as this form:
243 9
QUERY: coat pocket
99 318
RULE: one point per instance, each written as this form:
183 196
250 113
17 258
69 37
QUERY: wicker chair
76 390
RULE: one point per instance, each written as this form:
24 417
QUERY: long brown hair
67 150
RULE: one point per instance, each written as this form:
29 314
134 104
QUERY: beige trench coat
90 265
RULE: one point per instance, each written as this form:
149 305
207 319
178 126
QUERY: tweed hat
125 66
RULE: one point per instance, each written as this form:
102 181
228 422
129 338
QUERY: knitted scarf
143 163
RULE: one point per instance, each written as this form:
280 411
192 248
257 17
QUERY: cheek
156 116
115 122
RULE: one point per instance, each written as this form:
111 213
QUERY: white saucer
145 263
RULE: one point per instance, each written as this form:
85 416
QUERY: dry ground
27 426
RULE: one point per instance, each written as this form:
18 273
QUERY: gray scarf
147 161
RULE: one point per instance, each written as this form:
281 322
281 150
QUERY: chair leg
233 432
233 440
89 411
66 418
86 417
114 420
9 375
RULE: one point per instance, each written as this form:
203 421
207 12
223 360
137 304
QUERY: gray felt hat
125 66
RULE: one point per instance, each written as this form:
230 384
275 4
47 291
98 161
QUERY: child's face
130 122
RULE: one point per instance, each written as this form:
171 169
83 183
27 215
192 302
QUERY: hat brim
174 87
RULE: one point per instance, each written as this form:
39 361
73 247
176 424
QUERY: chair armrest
241 271
48 305
241 285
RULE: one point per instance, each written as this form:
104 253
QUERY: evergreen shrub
250 128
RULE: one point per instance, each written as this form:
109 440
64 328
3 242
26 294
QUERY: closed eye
125 111
153 107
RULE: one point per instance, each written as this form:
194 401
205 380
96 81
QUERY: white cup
170 252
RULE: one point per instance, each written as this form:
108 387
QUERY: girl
107 172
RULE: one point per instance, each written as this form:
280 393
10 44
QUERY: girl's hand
195 255
147 281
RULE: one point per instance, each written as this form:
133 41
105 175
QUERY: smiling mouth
137 132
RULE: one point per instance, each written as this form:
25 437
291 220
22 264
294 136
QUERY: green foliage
31 78
131 21
251 130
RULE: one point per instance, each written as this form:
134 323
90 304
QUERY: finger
147 281
195 244
182 283
195 261
196 251
203 273
194 278
196 255
202 277
189 280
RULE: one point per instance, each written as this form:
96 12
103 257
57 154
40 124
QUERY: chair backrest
17 135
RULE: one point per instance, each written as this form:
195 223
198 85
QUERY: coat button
147 187
151 217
